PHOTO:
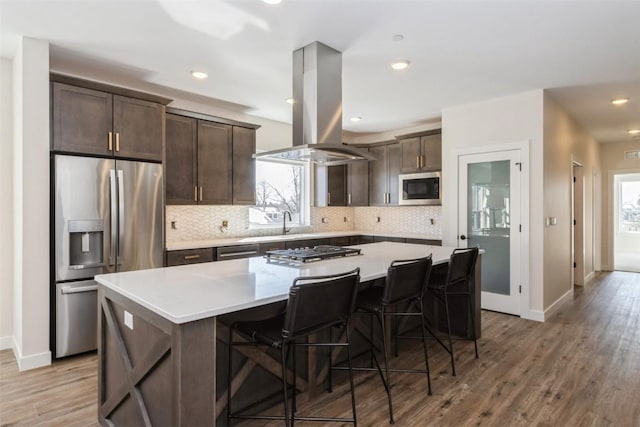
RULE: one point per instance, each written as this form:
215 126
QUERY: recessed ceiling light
400 64
289 100
619 101
397 37
199 74
272 1
355 118
634 131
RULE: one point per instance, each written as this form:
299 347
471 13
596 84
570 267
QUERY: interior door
489 217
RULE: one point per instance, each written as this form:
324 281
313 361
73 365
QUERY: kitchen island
158 329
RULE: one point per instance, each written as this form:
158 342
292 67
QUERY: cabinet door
358 184
81 120
214 163
393 170
378 176
432 152
244 166
337 185
139 128
411 152
181 162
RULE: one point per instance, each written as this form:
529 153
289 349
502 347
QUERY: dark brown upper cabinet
358 184
209 163
244 166
182 158
421 153
90 121
383 174
331 185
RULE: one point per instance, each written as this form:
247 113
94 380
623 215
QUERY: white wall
6 208
31 203
564 142
507 120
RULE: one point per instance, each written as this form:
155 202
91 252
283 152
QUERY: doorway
489 206
577 231
626 222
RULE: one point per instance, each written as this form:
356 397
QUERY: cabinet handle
328 198
349 198
110 141
117 141
418 162
188 257
421 161
195 193
200 193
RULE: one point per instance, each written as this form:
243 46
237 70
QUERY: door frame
611 226
577 229
523 147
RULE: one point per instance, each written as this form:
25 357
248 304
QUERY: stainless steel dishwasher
76 317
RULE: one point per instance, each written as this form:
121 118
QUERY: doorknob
463 237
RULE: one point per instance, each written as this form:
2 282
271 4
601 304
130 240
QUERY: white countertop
197 244
192 292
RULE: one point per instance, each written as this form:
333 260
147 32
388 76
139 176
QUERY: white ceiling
585 52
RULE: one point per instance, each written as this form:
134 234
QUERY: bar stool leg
446 307
330 373
424 344
284 385
295 387
385 352
473 325
353 395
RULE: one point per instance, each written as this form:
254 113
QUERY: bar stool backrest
462 264
317 302
406 279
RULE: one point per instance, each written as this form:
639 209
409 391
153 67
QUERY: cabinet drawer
388 239
340 241
425 242
235 252
189 256
273 246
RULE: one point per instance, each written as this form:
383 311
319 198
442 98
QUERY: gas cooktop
317 253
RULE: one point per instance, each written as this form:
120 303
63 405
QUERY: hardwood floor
580 368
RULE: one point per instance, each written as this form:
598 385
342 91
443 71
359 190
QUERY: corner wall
564 142
31 203
6 209
507 120
612 159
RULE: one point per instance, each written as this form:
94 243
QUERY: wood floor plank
580 368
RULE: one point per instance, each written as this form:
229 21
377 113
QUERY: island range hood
317 111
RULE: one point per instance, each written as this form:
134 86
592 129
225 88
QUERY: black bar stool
315 303
404 286
457 281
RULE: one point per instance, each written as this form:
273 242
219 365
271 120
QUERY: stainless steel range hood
317 111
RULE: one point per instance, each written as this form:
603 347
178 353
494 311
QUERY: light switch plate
128 319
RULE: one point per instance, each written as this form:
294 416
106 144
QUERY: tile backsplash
205 222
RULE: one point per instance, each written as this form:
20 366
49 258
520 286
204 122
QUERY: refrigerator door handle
121 219
114 213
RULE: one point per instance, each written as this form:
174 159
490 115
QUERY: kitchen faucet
285 230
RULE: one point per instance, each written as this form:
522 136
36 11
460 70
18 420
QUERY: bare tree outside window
279 188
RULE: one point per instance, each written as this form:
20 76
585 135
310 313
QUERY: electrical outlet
324 220
378 219
128 320
225 223
173 225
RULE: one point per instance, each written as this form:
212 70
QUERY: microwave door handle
120 213
114 212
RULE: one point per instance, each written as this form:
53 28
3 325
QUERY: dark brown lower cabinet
189 256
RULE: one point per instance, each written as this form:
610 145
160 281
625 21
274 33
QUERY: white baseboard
589 277
6 343
31 361
558 303
536 315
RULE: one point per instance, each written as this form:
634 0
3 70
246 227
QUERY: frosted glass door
489 219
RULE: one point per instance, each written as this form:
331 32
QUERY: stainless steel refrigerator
108 217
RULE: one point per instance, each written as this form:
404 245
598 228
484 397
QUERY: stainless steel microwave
420 189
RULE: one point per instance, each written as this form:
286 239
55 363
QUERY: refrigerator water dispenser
86 244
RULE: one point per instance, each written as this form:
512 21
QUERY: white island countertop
192 292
